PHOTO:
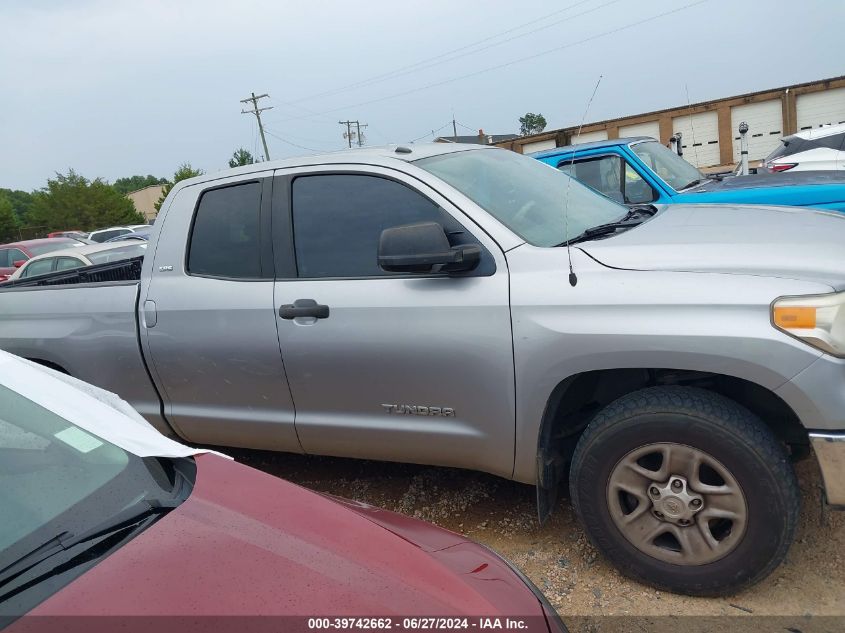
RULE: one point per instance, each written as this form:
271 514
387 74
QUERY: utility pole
360 136
257 112
454 129
349 134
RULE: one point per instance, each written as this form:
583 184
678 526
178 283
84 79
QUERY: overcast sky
116 88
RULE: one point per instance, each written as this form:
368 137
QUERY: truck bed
124 270
85 323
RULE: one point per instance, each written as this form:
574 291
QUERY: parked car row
468 306
62 246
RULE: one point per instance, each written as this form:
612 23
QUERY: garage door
820 108
700 137
589 137
765 127
538 146
651 128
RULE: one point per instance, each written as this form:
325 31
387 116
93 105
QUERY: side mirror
18 263
424 248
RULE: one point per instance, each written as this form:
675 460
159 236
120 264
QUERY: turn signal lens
818 320
799 318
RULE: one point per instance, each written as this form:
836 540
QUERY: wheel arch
575 400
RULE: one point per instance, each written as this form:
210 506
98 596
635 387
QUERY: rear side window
224 239
4 258
338 220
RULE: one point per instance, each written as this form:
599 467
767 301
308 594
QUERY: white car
818 148
70 258
102 235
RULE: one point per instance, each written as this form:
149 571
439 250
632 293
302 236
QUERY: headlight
818 320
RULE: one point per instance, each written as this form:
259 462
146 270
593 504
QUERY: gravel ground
558 557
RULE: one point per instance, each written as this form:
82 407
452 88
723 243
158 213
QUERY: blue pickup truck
640 170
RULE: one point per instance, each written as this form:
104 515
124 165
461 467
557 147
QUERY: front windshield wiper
633 218
128 517
694 183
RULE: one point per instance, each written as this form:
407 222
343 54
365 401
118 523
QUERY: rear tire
685 490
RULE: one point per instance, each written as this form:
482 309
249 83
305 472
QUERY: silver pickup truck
471 307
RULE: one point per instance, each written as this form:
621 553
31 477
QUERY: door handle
304 308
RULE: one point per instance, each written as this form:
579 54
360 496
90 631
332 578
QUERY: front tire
685 490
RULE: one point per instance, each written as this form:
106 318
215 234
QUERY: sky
113 88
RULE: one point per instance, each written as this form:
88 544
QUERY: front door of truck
412 368
208 321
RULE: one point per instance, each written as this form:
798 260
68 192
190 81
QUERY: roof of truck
381 155
611 142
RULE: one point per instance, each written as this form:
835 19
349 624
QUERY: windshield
674 170
524 194
56 477
41 249
116 254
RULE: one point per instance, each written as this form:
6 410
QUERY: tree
531 123
184 172
133 183
8 220
241 157
20 201
70 201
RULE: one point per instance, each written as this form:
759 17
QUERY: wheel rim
677 503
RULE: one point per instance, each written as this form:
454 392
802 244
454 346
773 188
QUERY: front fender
621 319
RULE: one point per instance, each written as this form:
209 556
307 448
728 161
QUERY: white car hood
92 409
788 242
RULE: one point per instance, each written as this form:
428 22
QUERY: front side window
40 267
338 220
636 189
224 240
539 203
603 174
4 258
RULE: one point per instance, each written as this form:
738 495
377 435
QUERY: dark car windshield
55 478
524 194
58 244
671 168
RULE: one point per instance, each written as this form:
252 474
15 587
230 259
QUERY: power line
450 55
516 61
310 149
257 112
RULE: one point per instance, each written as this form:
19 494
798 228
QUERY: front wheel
685 490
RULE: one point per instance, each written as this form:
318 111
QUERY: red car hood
247 543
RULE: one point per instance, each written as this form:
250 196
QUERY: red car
13 256
102 516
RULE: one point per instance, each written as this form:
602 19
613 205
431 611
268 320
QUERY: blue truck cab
639 170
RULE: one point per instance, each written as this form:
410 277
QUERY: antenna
572 278
691 126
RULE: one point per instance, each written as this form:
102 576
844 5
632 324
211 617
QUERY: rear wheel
685 490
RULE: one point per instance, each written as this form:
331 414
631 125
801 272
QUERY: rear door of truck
207 317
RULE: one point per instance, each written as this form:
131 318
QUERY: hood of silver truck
787 242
